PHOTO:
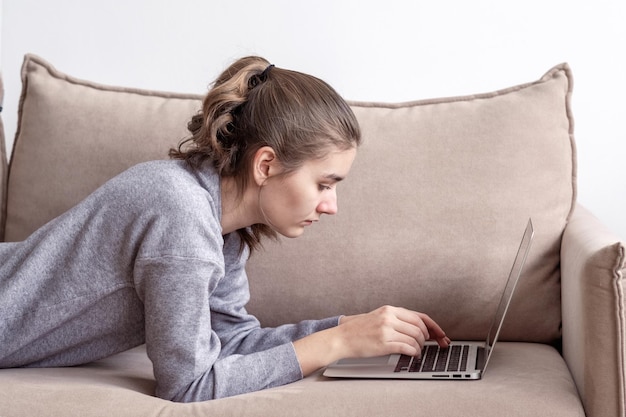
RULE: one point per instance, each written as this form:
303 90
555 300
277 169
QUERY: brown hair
253 104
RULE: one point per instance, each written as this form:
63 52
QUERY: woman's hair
253 104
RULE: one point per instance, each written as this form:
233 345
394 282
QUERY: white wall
390 50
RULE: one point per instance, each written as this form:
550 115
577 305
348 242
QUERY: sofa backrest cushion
429 218
73 135
432 214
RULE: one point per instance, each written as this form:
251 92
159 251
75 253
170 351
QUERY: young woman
157 254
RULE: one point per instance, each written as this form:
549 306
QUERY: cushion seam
621 322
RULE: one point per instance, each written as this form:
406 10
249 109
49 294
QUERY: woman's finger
417 333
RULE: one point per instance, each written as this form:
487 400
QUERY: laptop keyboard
436 359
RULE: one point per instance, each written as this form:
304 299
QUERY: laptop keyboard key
403 363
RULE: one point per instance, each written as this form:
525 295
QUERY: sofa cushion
432 214
524 379
73 135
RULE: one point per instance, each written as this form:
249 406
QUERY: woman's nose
328 205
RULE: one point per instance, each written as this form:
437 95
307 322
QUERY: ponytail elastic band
259 78
266 71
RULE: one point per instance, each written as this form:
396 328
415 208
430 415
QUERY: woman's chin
292 233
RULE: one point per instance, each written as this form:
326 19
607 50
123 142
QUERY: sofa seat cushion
524 379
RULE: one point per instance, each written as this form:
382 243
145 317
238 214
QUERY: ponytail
212 128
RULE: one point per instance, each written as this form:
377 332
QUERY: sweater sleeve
239 331
194 360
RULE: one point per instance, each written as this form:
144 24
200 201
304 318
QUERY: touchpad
378 360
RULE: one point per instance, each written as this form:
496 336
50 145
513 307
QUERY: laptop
460 360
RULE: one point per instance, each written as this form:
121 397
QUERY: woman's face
292 202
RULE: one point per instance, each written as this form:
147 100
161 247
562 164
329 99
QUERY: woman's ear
265 165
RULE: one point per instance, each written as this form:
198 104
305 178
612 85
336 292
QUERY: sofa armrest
593 313
3 168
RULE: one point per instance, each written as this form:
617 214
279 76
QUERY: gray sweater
143 259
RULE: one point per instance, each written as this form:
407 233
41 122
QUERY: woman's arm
204 345
185 349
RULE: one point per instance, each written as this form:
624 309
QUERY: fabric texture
143 259
594 308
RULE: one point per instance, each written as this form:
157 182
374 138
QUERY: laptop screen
507 294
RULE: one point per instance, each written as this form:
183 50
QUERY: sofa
429 218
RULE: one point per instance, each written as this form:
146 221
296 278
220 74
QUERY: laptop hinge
481 356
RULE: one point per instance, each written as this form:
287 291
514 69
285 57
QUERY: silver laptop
461 360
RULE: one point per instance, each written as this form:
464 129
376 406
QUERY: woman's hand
389 330
384 331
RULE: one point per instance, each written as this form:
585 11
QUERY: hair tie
266 71
257 79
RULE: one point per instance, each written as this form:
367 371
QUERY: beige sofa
429 218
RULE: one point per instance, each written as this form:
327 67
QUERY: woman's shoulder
173 200
173 175
160 184
158 169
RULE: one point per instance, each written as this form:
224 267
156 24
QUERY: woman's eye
324 187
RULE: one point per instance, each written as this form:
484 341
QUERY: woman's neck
238 210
